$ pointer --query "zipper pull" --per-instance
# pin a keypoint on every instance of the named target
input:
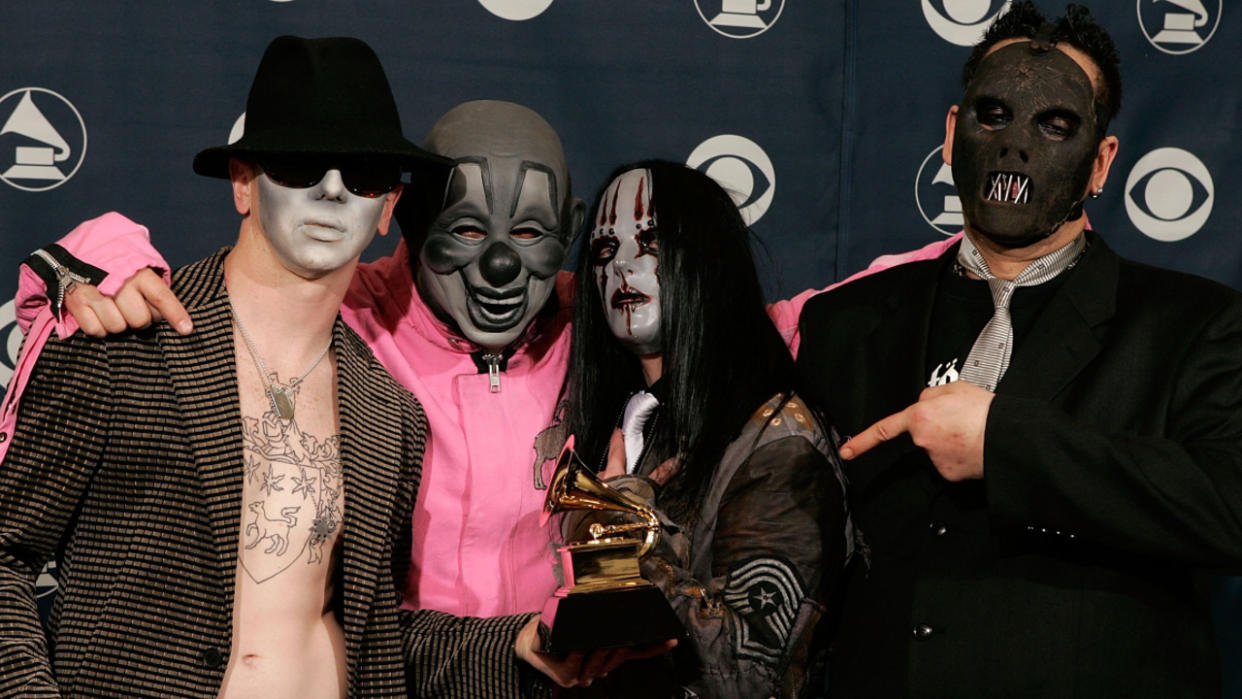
(64, 277)
(493, 371)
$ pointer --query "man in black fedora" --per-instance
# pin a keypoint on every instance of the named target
(231, 508)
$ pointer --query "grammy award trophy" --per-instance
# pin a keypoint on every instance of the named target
(604, 601)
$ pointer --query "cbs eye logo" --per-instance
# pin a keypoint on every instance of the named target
(741, 167)
(962, 22)
(516, 10)
(1169, 194)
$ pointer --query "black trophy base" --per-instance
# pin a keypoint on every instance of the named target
(637, 616)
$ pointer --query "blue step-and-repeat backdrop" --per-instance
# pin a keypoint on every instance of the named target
(824, 116)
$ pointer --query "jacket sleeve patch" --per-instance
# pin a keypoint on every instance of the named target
(765, 593)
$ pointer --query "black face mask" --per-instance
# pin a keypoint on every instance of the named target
(1024, 144)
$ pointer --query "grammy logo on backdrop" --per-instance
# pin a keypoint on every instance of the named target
(740, 19)
(604, 601)
(46, 147)
(1181, 27)
(35, 162)
(742, 13)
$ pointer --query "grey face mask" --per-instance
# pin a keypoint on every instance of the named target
(489, 259)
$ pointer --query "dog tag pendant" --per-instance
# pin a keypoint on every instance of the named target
(283, 402)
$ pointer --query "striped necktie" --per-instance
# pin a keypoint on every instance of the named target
(989, 356)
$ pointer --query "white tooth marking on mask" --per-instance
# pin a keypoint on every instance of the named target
(1009, 188)
(995, 193)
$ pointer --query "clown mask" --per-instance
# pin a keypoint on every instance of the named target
(489, 261)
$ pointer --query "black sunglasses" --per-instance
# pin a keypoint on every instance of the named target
(365, 177)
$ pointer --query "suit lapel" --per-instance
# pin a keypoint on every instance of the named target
(912, 309)
(896, 338)
(204, 379)
(1063, 339)
(370, 465)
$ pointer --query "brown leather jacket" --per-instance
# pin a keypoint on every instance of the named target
(749, 577)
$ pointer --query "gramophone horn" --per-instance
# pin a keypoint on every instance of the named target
(574, 487)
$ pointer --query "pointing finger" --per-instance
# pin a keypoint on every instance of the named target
(882, 431)
(164, 302)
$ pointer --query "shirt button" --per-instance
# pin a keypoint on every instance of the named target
(212, 658)
(922, 632)
(938, 528)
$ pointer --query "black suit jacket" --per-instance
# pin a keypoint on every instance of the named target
(127, 463)
(1113, 474)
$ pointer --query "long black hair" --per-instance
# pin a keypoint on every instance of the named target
(722, 357)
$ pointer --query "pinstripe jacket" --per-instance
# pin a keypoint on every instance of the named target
(126, 464)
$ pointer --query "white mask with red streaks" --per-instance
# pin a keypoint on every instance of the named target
(625, 258)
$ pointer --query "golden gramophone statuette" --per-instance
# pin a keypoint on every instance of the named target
(605, 602)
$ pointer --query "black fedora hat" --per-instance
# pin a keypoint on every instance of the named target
(321, 97)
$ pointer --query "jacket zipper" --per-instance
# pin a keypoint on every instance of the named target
(493, 360)
(63, 276)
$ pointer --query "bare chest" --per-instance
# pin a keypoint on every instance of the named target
(286, 639)
(293, 500)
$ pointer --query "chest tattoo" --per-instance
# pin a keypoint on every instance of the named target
(292, 494)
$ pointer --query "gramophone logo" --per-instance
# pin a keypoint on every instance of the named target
(741, 167)
(1178, 26)
(516, 10)
(740, 19)
(42, 141)
(962, 22)
(10, 342)
(1169, 194)
(936, 195)
(46, 584)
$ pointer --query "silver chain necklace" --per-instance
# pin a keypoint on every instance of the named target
(280, 395)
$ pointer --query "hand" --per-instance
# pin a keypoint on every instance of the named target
(948, 422)
(615, 466)
(666, 470)
(579, 669)
(142, 300)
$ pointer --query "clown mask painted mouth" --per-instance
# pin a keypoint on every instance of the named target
(494, 309)
(1008, 188)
